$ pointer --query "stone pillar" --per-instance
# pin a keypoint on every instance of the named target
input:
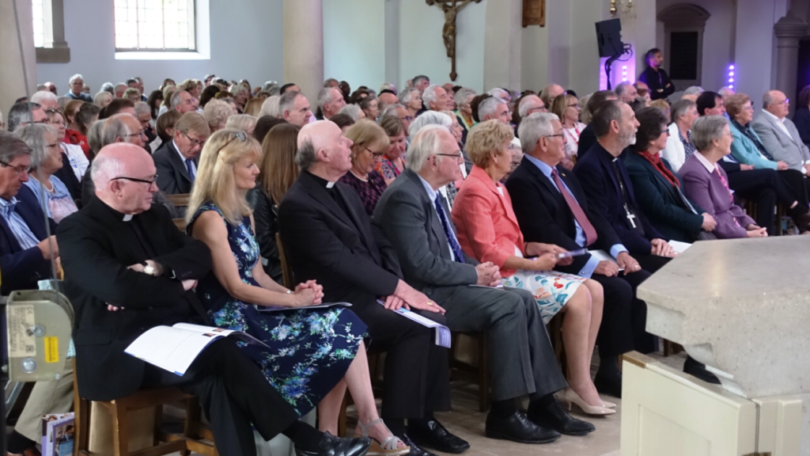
(16, 83)
(788, 30)
(303, 46)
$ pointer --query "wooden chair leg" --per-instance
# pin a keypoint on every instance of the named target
(342, 416)
(120, 430)
(81, 410)
(483, 373)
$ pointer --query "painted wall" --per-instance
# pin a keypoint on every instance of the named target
(354, 47)
(245, 39)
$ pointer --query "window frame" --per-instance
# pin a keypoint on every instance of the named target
(193, 23)
(56, 49)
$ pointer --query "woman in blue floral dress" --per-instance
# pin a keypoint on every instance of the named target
(315, 353)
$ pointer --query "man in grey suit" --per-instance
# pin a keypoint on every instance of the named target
(778, 133)
(416, 221)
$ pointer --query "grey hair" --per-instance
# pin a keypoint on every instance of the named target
(487, 107)
(34, 137)
(43, 95)
(326, 95)
(406, 95)
(119, 85)
(498, 92)
(20, 114)
(726, 91)
(108, 87)
(99, 98)
(176, 97)
(216, 113)
(693, 90)
(767, 99)
(270, 107)
(417, 79)
(351, 110)
(680, 107)
(242, 122)
(526, 105)
(285, 103)
(461, 96)
(236, 89)
(391, 110)
(328, 82)
(306, 156)
(271, 87)
(388, 86)
(622, 87)
(534, 127)
(104, 169)
(429, 118)
(94, 136)
(426, 143)
(706, 129)
(75, 77)
(429, 94)
(114, 128)
(11, 146)
(142, 107)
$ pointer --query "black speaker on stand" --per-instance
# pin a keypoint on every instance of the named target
(609, 39)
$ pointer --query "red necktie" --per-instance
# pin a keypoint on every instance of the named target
(576, 209)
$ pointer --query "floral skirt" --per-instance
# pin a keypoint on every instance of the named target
(310, 350)
(551, 289)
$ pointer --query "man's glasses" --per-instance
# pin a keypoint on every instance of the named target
(137, 133)
(408, 118)
(195, 142)
(457, 156)
(17, 169)
(560, 135)
(134, 179)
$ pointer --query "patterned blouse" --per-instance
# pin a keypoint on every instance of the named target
(688, 145)
(387, 169)
(370, 190)
(57, 201)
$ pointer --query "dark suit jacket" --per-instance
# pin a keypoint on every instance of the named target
(340, 251)
(22, 269)
(587, 138)
(601, 184)
(802, 120)
(544, 215)
(97, 246)
(173, 176)
(660, 201)
(409, 220)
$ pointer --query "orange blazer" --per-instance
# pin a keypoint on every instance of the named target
(486, 226)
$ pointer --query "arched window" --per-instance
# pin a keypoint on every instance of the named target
(684, 25)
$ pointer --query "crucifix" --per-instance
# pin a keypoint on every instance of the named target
(451, 9)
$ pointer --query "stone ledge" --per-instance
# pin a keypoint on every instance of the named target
(53, 55)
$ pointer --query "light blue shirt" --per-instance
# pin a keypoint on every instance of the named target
(579, 238)
(17, 225)
(432, 195)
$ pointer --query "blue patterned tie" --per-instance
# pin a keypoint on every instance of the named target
(8, 208)
(448, 231)
(190, 168)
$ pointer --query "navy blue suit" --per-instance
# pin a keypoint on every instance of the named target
(596, 174)
(21, 269)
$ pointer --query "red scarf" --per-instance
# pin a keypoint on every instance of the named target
(74, 137)
(655, 160)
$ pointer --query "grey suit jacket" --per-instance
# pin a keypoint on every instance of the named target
(409, 220)
(789, 149)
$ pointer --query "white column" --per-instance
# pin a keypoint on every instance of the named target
(788, 31)
(303, 46)
(503, 44)
(15, 84)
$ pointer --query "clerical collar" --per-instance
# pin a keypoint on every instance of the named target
(127, 217)
(118, 215)
(323, 182)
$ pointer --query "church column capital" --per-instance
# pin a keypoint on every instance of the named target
(790, 26)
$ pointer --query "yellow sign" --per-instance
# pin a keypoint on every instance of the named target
(51, 349)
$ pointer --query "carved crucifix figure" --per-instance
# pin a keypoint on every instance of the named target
(451, 9)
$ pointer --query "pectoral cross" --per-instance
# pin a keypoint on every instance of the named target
(451, 9)
(630, 216)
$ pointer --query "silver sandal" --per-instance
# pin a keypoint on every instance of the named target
(389, 447)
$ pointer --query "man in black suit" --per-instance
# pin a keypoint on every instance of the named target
(328, 237)
(587, 138)
(129, 269)
(609, 190)
(417, 223)
(551, 207)
(176, 160)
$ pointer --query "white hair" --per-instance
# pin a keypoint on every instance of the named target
(429, 118)
(104, 169)
(391, 110)
(406, 94)
(726, 91)
(497, 92)
(237, 89)
(693, 90)
(533, 128)
(460, 97)
(351, 110)
(37, 97)
(488, 106)
(426, 143)
(388, 86)
(327, 95)
(142, 107)
(75, 77)
(429, 94)
(527, 104)
(270, 107)
(114, 128)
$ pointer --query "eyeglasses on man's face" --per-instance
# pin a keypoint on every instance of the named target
(17, 169)
(193, 141)
(135, 179)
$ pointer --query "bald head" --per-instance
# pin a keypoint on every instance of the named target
(776, 102)
(113, 171)
(550, 92)
(323, 150)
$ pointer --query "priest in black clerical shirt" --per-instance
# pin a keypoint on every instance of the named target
(327, 236)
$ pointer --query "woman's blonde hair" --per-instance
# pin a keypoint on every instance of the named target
(277, 169)
(216, 113)
(254, 106)
(366, 132)
(215, 174)
(560, 104)
(486, 138)
(242, 122)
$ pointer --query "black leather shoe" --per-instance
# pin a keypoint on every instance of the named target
(433, 435)
(518, 428)
(336, 446)
(554, 417)
(692, 367)
(611, 386)
(415, 450)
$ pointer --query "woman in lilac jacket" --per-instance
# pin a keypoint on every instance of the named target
(706, 184)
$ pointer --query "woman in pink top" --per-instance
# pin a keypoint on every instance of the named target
(488, 231)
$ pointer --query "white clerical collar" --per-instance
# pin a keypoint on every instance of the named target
(127, 217)
(329, 184)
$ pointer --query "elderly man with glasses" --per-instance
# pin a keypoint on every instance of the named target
(177, 160)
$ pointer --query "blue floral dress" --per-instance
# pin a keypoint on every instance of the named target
(311, 350)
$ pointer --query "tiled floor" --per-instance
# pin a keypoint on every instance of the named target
(468, 423)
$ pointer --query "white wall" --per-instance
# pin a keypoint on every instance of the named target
(246, 37)
(754, 46)
(354, 41)
(422, 51)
